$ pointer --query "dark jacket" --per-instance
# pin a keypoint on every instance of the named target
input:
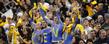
(102, 41)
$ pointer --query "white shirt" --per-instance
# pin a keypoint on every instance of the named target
(88, 29)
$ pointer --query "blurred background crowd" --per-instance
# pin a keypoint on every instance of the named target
(54, 22)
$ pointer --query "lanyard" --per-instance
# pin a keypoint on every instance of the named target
(65, 35)
(55, 31)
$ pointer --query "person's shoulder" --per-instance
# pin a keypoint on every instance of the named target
(105, 26)
(48, 29)
(107, 38)
(97, 41)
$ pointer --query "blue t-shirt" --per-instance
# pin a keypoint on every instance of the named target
(47, 36)
(37, 37)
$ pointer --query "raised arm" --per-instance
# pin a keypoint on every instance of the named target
(42, 13)
(58, 16)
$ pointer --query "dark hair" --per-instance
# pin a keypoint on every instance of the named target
(89, 40)
(84, 20)
(82, 40)
(4, 18)
(69, 18)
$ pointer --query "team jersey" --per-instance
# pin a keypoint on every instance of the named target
(66, 35)
(57, 32)
(37, 37)
(67, 38)
(56, 28)
(47, 36)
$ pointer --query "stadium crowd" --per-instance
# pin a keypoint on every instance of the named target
(54, 22)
